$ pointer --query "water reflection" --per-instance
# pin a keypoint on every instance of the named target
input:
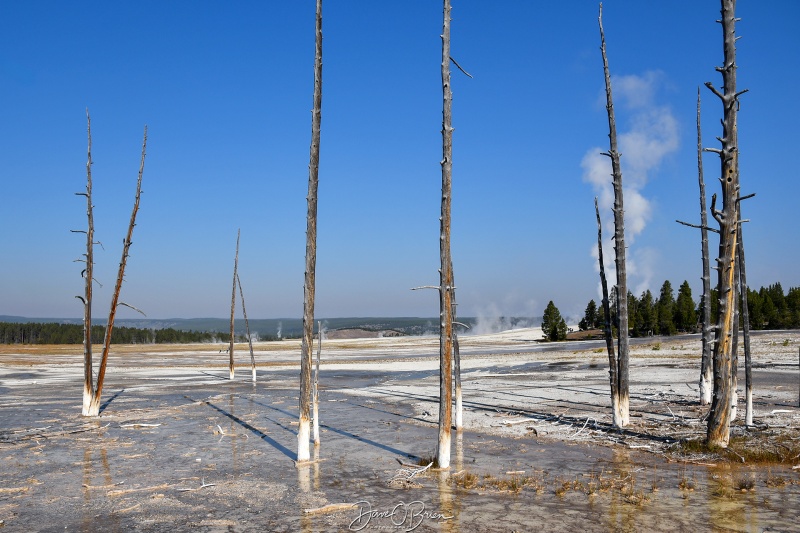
(449, 503)
(730, 504)
(90, 487)
(315, 466)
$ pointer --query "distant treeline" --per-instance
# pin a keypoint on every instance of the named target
(769, 308)
(55, 333)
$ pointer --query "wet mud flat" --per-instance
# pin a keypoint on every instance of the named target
(178, 447)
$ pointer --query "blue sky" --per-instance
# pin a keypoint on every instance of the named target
(225, 89)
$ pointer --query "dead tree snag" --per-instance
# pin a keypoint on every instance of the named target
(233, 307)
(303, 431)
(92, 391)
(705, 360)
(315, 386)
(607, 330)
(705, 302)
(247, 328)
(719, 419)
(446, 269)
(621, 415)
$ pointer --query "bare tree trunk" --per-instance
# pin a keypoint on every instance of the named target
(612, 356)
(446, 271)
(88, 276)
(233, 306)
(459, 415)
(315, 390)
(748, 368)
(620, 417)
(247, 327)
(705, 361)
(94, 407)
(303, 432)
(718, 433)
(735, 341)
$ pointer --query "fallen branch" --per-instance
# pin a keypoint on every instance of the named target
(405, 475)
(331, 508)
(584, 427)
(131, 508)
(521, 421)
(203, 485)
(139, 425)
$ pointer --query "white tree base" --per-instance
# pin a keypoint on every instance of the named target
(303, 439)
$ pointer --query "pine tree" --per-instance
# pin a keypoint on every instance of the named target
(666, 310)
(554, 328)
(685, 315)
(646, 325)
(589, 320)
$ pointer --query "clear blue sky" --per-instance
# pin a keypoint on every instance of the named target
(226, 88)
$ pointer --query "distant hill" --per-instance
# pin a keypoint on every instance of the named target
(292, 327)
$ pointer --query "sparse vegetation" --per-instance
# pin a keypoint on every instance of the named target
(754, 449)
(688, 484)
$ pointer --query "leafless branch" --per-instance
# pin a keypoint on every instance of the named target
(459, 67)
(697, 226)
(129, 306)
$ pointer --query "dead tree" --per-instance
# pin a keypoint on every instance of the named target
(233, 306)
(705, 360)
(247, 327)
(303, 431)
(446, 270)
(459, 414)
(718, 433)
(92, 391)
(748, 366)
(705, 318)
(456, 354)
(621, 414)
(607, 331)
(735, 340)
(315, 385)
(88, 276)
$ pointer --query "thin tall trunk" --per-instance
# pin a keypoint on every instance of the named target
(446, 271)
(748, 368)
(303, 432)
(459, 414)
(315, 391)
(620, 417)
(705, 361)
(735, 341)
(88, 276)
(607, 331)
(247, 328)
(94, 408)
(233, 305)
(718, 433)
